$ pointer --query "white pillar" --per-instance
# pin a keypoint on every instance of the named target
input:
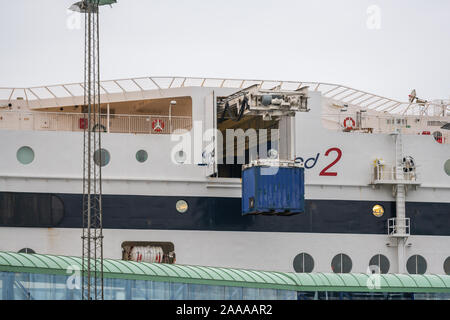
(107, 118)
(400, 200)
(401, 242)
(285, 138)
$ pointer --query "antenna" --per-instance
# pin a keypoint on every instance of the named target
(93, 156)
(412, 96)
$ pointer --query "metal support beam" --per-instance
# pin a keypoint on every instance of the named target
(400, 200)
(92, 237)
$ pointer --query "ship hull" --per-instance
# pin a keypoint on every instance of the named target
(270, 251)
(219, 214)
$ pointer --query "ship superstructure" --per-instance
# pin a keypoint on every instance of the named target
(377, 174)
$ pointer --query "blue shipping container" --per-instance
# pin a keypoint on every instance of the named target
(273, 190)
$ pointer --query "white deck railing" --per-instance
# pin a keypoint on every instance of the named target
(387, 123)
(339, 93)
(388, 173)
(54, 121)
(399, 227)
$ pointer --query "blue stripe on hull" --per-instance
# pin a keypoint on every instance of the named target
(217, 214)
(224, 214)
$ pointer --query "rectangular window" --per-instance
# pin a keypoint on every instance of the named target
(436, 123)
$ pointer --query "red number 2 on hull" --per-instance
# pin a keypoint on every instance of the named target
(325, 172)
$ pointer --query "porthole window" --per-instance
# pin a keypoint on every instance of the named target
(447, 167)
(182, 206)
(447, 266)
(416, 265)
(27, 250)
(341, 263)
(303, 263)
(378, 211)
(141, 156)
(25, 155)
(379, 264)
(102, 157)
(180, 156)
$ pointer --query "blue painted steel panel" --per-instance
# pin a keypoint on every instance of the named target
(222, 214)
(273, 191)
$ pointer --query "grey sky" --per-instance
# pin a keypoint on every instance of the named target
(326, 41)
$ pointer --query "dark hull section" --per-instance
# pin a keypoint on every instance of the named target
(217, 214)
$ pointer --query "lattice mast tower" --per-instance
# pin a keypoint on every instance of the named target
(93, 157)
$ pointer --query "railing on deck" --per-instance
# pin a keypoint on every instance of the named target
(374, 123)
(120, 123)
(40, 96)
(388, 173)
(399, 227)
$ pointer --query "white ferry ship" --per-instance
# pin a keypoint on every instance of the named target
(377, 176)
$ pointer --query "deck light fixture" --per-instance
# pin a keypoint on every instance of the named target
(89, 5)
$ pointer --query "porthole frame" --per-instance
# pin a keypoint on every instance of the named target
(380, 257)
(342, 256)
(417, 257)
(107, 158)
(378, 211)
(140, 153)
(447, 167)
(182, 206)
(303, 256)
(27, 251)
(446, 266)
(20, 154)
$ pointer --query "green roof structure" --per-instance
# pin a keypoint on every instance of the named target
(118, 269)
